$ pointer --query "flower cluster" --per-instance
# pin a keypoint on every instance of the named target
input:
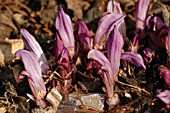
(110, 37)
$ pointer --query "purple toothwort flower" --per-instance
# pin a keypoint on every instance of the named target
(65, 69)
(105, 26)
(141, 11)
(133, 58)
(58, 47)
(33, 73)
(114, 47)
(63, 61)
(117, 9)
(33, 46)
(109, 68)
(165, 73)
(165, 97)
(65, 31)
(148, 55)
(103, 66)
(83, 36)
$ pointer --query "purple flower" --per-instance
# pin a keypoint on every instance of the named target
(117, 9)
(121, 26)
(33, 46)
(102, 64)
(110, 6)
(83, 36)
(64, 69)
(63, 61)
(141, 11)
(65, 31)
(58, 47)
(109, 68)
(160, 31)
(114, 47)
(165, 97)
(154, 22)
(105, 26)
(33, 73)
(165, 73)
(148, 55)
(133, 58)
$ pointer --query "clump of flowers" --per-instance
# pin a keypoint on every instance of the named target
(104, 55)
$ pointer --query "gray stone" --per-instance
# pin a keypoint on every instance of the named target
(91, 100)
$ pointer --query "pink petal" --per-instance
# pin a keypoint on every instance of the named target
(165, 73)
(164, 96)
(141, 12)
(83, 36)
(105, 70)
(65, 30)
(114, 47)
(58, 47)
(121, 26)
(32, 45)
(33, 73)
(110, 6)
(106, 24)
(133, 58)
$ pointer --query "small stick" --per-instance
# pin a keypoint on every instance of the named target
(78, 95)
(135, 87)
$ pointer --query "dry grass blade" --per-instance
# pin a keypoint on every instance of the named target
(78, 96)
(135, 87)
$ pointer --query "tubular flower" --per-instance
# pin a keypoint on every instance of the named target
(133, 58)
(65, 31)
(58, 47)
(114, 47)
(63, 61)
(34, 75)
(105, 26)
(165, 73)
(109, 68)
(141, 15)
(121, 26)
(64, 68)
(148, 55)
(83, 36)
(102, 64)
(165, 97)
(33, 46)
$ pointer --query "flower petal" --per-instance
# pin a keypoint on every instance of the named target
(114, 47)
(33, 73)
(141, 15)
(65, 30)
(148, 55)
(133, 58)
(164, 96)
(106, 23)
(58, 47)
(165, 73)
(110, 6)
(32, 45)
(104, 70)
(83, 36)
(121, 26)
(65, 68)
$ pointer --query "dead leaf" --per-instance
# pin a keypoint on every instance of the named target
(9, 47)
(3, 109)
